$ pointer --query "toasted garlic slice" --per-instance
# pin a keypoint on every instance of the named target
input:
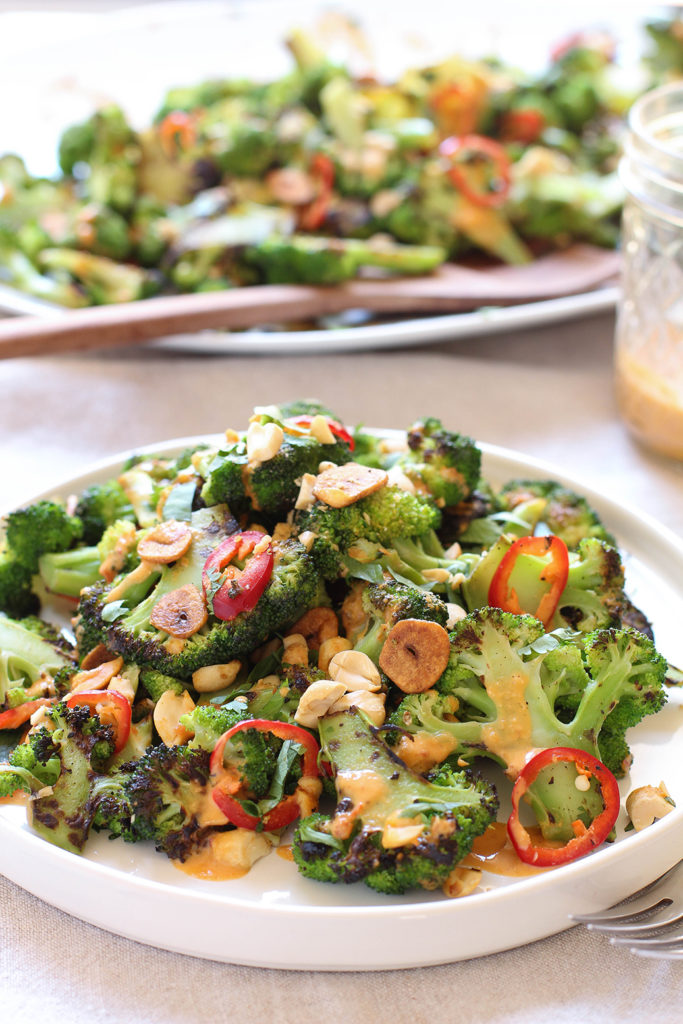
(264, 440)
(648, 804)
(316, 701)
(415, 654)
(181, 612)
(215, 677)
(355, 670)
(166, 543)
(167, 713)
(340, 486)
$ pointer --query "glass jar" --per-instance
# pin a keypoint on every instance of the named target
(649, 336)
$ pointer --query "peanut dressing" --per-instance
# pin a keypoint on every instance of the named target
(364, 789)
(509, 737)
(494, 852)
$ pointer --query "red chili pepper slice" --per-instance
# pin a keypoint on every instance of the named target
(242, 588)
(585, 839)
(458, 148)
(523, 125)
(15, 717)
(337, 429)
(502, 595)
(321, 168)
(111, 707)
(224, 789)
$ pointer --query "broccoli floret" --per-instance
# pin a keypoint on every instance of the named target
(69, 572)
(395, 830)
(31, 765)
(30, 651)
(509, 690)
(40, 528)
(380, 518)
(566, 514)
(156, 683)
(83, 745)
(124, 625)
(99, 506)
(447, 464)
(304, 407)
(270, 487)
(164, 790)
(17, 597)
(387, 603)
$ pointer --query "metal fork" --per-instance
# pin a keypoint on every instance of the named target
(649, 922)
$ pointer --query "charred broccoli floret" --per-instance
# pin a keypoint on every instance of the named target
(392, 828)
(387, 603)
(565, 513)
(99, 506)
(447, 464)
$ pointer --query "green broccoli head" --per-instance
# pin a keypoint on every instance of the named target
(30, 650)
(392, 828)
(447, 464)
(566, 514)
(99, 506)
(17, 597)
(380, 518)
(40, 528)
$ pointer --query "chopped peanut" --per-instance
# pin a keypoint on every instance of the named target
(180, 613)
(355, 670)
(167, 713)
(329, 648)
(166, 543)
(648, 804)
(215, 677)
(264, 441)
(296, 650)
(461, 882)
(372, 704)
(96, 678)
(415, 654)
(316, 701)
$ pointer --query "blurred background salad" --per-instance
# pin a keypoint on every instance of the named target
(188, 147)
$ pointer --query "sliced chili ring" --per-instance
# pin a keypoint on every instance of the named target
(457, 148)
(287, 810)
(240, 592)
(335, 427)
(555, 573)
(585, 839)
(111, 707)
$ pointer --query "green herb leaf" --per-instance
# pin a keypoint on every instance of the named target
(178, 504)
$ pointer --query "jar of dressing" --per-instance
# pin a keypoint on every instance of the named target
(649, 335)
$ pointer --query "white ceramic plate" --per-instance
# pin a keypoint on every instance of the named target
(274, 918)
(179, 42)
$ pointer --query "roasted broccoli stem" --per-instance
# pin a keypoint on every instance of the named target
(510, 689)
(392, 828)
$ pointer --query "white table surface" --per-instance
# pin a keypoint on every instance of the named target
(546, 392)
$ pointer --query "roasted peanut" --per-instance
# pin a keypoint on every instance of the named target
(415, 654)
(167, 712)
(296, 650)
(166, 543)
(263, 442)
(461, 882)
(647, 804)
(329, 648)
(96, 678)
(180, 613)
(316, 701)
(355, 670)
(340, 486)
(215, 677)
(372, 704)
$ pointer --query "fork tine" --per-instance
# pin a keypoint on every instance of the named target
(657, 954)
(630, 927)
(669, 942)
(644, 931)
(636, 907)
(644, 909)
